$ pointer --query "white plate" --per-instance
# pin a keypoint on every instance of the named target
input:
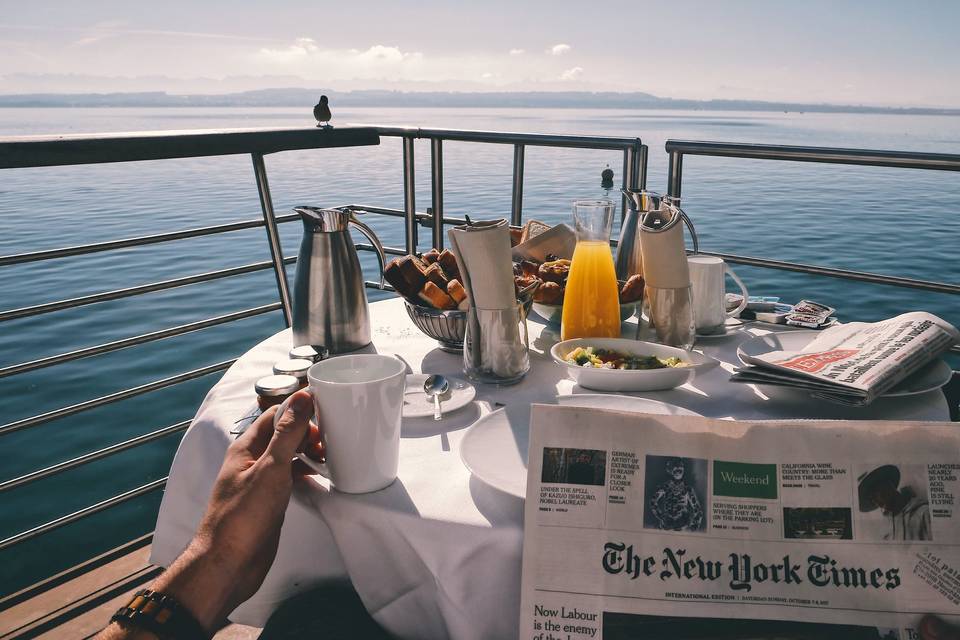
(635, 379)
(930, 377)
(494, 449)
(416, 404)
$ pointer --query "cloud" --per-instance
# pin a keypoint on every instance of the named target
(300, 48)
(517, 52)
(304, 56)
(559, 49)
(573, 73)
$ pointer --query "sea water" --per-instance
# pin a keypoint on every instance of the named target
(896, 221)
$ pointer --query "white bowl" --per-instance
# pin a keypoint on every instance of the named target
(632, 379)
(553, 313)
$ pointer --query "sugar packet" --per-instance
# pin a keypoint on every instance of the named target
(810, 314)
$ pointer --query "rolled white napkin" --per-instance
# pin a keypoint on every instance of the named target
(483, 255)
(664, 256)
(493, 346)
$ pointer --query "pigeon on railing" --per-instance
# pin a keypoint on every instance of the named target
(321, 111)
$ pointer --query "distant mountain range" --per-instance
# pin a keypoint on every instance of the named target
(297, 97)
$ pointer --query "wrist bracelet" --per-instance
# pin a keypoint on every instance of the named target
(162, 615)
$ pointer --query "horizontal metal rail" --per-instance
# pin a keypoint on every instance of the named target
(82, 513)
(138, 241)
(116, 345)
(832, 155)
(70, 410)
(506, 137)
(845, 274)
(868, 157)
(118, 294)
(86, 458)
(45, 151)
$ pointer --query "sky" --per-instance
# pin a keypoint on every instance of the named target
(872, 52)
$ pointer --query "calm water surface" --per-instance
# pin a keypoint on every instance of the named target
(894, 221)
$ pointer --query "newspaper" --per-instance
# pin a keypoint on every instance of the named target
(857, 362)
(643, 526)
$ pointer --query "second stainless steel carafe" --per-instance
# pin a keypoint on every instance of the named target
(329, 297)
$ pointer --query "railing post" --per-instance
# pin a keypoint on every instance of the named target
(675, 174)
(516, 202)
(644, 153)
(273, 235)
(409, 195)
(633, 156)
(436, 182)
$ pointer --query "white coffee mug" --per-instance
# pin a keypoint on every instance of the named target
(709, 291)
(358, 401)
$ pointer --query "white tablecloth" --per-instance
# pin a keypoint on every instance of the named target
(437, 554)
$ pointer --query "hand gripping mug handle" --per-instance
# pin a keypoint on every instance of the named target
(743, 290)
(319, 467)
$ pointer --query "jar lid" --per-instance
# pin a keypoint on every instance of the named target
(276, 386)
(297, 368)
(309, 352)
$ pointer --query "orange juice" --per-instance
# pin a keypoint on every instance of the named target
(591, 305)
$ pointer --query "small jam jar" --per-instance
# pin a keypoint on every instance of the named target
(309, 352)
(273, 390)
(296, 368)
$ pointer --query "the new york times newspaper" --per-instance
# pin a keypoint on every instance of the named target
(854, 363)
(671, 526)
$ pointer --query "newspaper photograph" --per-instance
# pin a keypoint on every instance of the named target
(855, 363)
(641, 525)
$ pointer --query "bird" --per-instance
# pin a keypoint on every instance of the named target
(322, 113)
(606, 178)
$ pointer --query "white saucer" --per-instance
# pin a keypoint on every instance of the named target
(494, 449)
(730, 327)
(930, 377)
(416, 404)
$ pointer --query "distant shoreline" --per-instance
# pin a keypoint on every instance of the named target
(486, 100)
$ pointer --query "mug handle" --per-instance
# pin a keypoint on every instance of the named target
(743, 290)
(319, 467)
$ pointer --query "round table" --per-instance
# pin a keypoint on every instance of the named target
(437, 554)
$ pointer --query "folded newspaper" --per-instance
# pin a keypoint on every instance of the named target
(644, 526)
(857, 362)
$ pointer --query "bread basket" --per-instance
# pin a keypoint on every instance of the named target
(449, 327)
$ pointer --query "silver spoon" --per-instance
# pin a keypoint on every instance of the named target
(436, 386)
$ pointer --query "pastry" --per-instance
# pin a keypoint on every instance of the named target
(549, 293)
(430, 256)
(436, 297)
(515, 235)
(436, 275)
(632, 289)
(528, 268)
(448, 261)
(455, 290)
(555, 271)
(406, 276)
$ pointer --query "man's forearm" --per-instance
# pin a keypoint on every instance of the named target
(197, 581)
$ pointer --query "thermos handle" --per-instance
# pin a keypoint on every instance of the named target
(374, 240)
(693, 232)
(673, 203)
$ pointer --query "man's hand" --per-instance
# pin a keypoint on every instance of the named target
(237, 540)
(933, 628)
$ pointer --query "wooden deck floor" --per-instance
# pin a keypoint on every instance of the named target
(78, 606)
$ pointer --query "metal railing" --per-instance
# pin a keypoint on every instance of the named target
(71, 150)
(677, 149)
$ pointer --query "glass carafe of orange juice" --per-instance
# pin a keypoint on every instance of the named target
(591, 304)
